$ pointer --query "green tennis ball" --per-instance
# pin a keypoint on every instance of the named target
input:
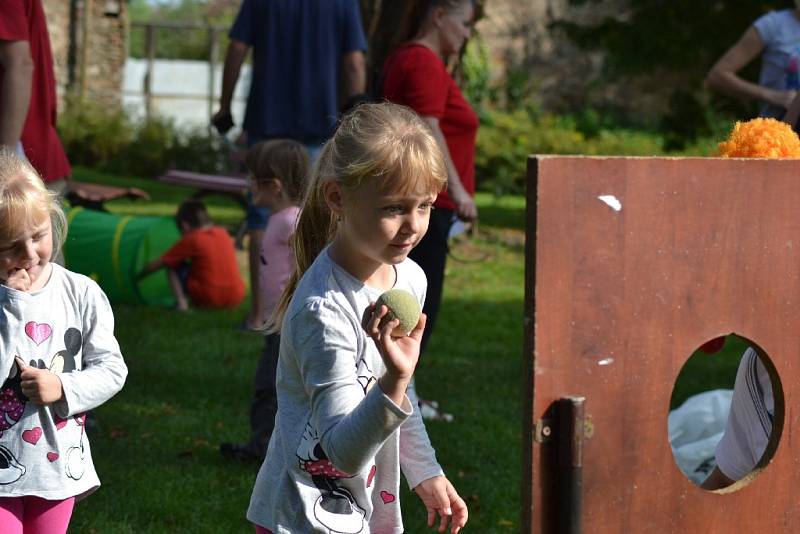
(402, 305)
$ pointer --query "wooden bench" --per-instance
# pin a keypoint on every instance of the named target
(233, 185)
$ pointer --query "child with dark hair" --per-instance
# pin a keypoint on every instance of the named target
(278, 173)
(202, 265)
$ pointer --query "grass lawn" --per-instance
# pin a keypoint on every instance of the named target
(190, 382)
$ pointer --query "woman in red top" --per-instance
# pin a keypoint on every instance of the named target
(416, 76)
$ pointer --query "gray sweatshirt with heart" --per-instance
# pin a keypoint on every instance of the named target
(66, 327)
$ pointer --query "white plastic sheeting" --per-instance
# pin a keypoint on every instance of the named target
(695, 428)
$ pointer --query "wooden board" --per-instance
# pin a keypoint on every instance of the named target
(618, 299)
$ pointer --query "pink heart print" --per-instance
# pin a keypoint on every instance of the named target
(52, 456)
(38, 332)
(387, 497)
(32, 435)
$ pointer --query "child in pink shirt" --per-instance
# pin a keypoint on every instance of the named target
(277, 259)
(278, 170)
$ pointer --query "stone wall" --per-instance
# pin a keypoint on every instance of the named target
(519, 36)
(57, 13)
(93, 69)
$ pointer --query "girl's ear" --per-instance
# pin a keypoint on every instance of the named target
(334, 198)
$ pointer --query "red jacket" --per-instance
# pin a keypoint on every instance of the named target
(416, 77)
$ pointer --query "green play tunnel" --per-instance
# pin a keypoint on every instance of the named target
(111, 249)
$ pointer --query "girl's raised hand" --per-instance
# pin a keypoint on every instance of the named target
(400, 354)
(440, 497)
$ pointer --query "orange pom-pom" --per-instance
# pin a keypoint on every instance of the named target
(761, 138)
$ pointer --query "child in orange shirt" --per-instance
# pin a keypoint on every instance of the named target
(202, 263)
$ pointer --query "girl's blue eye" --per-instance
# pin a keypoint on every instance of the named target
(393, 209)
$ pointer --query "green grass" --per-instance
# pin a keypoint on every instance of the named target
(190, 383)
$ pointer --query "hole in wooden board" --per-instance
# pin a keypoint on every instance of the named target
(726, 413)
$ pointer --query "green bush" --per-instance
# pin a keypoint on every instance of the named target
(148, 155)
(196, 150)
(107, 139)
(506, 139)
(476, 69)
(93, 135)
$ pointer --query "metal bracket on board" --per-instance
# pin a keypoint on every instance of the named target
(543, 431)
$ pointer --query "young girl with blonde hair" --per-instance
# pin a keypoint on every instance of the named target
(58, 359)
(347, 425)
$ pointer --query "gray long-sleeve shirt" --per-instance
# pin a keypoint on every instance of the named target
(334, 461)
(68, 328)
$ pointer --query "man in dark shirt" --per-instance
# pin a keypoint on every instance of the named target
(301, 50)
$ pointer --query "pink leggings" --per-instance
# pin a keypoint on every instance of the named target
(262, 530)
(34, 515)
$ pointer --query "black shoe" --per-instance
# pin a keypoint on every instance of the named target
(239, 452)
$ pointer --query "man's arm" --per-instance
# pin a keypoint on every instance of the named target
(354, 74)
(465, 204)
(15, 90)
(234, 58)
